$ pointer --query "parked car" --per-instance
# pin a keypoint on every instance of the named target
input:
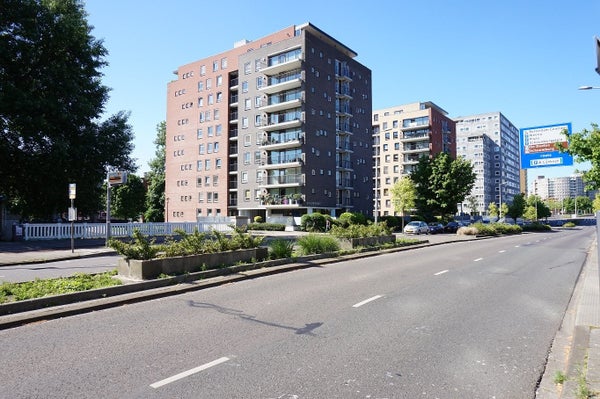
(416, 227)
(435, 228)
(452, 227)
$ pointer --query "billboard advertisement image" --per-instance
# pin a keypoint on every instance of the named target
(538, 146)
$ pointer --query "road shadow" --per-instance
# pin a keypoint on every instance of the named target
(307, 329)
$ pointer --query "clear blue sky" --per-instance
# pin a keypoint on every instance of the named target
(525, 59)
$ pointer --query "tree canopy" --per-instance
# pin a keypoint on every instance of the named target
(517, 207)
(585, 146)
(441, 183)
(51, 99)
(403, 196)
(155, 197)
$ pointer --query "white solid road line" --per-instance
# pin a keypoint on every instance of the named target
(189, 372)
(366, 301)
(442, 272)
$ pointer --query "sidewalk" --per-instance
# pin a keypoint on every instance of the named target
(575, 352)
(22, 252)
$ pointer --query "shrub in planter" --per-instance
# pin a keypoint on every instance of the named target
(313, 222)
(258, 219)
(281, 248)
(140, 247)
(318, 244)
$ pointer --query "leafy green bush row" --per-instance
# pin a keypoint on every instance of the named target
(490, 229)
(142, 248)
(361, 231)
(537, 227)
(266, 226)
(65, 285)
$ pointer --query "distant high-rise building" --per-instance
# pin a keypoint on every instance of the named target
(276, 127)
(496, 159)
(401, 135)
(558, 188)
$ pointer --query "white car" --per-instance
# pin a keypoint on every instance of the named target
(416, 227)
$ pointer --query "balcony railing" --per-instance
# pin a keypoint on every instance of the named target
(284, 159)
(287, 179)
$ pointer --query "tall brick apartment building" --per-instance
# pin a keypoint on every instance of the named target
(276, 127)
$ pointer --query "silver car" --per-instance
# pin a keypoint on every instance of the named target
(416, 227)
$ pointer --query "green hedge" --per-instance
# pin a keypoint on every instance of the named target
(267, 226)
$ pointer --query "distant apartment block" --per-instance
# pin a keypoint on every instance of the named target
(276, 127)
(558, 188)
(402, 135)
(491, 142)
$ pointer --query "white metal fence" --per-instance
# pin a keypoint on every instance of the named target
(53, 231)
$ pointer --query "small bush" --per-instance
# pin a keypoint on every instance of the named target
(281, 248)
(317, 244)
(267, 226)
(140, 247)
(258, 219)
(536, 227)
(361, 231)
(313, 222)
(569, 224)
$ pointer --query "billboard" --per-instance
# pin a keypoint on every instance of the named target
(538, 146)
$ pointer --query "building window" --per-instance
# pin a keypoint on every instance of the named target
(208, 83)
(215, 66)
(219, 80)
(247, 103)
(218, 130)
(223, 63)
(201, 149)
(244, 177)
(246, 158)
(244, 86)
(218, 163)
(246, 195)
(203, 70)
(245, 122)
(247, 140)
(199, 133)
(258, 102)
(247, 68)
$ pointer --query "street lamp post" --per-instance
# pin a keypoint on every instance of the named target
(502, 183)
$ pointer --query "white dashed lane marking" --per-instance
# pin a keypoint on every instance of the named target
(477, 260)
(366, 301)
(442, 272)
(188, 373)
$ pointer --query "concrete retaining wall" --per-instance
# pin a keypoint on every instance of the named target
(149, 269)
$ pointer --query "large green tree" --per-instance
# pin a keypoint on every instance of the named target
(155, 196)
(51, 99)
(585, 146)
(441, 183)
(127, 200)
(403, 196)
(517, 206)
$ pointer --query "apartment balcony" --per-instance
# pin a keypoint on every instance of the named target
(416, 149)
(345, 203)
(233, 185)
(283, 163)
(280, 145)
(279, 64)
(284, 121)
(233, 117)
(343, 147)
(233, 150)
(344, 165)
(282, 86)
(413, 138)
(233, 100)
(289, 180)
(277, 106)
(344, 184)
(343, 73)
(232, 167)
(233, 84)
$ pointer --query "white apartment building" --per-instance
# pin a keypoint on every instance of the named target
(491, 142)
(558, 188)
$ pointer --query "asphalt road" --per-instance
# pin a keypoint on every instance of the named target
(467, 320)
(55, 269)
